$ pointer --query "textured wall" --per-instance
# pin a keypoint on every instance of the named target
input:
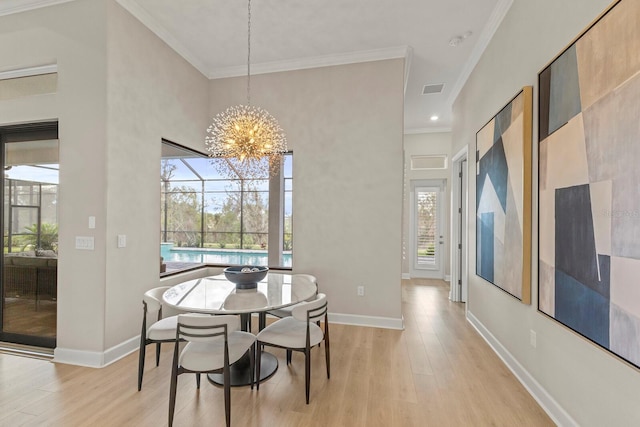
(347, 147)
(590, 386)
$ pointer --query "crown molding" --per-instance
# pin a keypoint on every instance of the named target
(9, 7)
(266, 67)
(148, 21)
(30, 71)
(407, 66)
(498, 14)
(405, 52)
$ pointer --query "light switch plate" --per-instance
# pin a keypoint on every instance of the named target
(85, 243)
(122, 240)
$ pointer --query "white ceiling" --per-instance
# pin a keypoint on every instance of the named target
(294, 34)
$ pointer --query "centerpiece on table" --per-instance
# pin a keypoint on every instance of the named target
(245, 277)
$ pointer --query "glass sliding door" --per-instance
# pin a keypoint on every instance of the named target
(30, 234)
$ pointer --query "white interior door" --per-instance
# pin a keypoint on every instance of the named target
(427, 243)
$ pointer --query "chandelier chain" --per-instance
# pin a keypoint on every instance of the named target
(249, 53)
(247, 141)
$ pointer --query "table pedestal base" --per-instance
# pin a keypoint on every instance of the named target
(240, 372)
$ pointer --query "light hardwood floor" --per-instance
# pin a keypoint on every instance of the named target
(437, 372)
(21, 316)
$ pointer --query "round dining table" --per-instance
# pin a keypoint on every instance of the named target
(217, 295)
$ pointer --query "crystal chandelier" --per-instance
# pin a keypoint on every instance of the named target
(248, 140)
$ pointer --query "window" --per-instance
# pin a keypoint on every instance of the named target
(287, 173)
(209, 218)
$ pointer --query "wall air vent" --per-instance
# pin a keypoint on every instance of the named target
(428, 162)
(434, 88)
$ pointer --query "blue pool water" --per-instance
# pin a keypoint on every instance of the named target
(219, 256)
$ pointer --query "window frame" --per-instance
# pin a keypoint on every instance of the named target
(262, 187)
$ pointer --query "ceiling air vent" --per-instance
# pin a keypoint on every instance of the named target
(434, 88)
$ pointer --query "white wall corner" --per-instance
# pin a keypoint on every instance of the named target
(152, 24)
(559, 416)
(406, 276)
(96, 359)
(447, 278)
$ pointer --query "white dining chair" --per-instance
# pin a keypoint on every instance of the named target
(213, 343)
(158, 326)
(286, 311)
(299, 332)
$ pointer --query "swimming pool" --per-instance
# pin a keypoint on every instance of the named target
(219, 256)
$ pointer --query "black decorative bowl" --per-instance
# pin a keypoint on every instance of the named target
(245, 277)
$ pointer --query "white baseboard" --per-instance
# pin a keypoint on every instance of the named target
(544, 399)
(96, 359)
(371, 321)
(407, 276)
(121, 350)
(92, 359)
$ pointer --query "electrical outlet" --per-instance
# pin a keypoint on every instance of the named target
(360, 291)
(532, 338)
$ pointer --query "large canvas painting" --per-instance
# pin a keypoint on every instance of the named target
(589, 184)
(503, 198)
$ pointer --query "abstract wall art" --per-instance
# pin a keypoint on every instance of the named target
(589, 184)
(503, 198)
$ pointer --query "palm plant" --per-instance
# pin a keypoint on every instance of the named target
(48, 236)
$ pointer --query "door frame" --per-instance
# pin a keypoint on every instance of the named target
(438, 273)
(15, 134)
(459, 226)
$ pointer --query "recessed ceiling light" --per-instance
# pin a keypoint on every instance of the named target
(434, 118)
